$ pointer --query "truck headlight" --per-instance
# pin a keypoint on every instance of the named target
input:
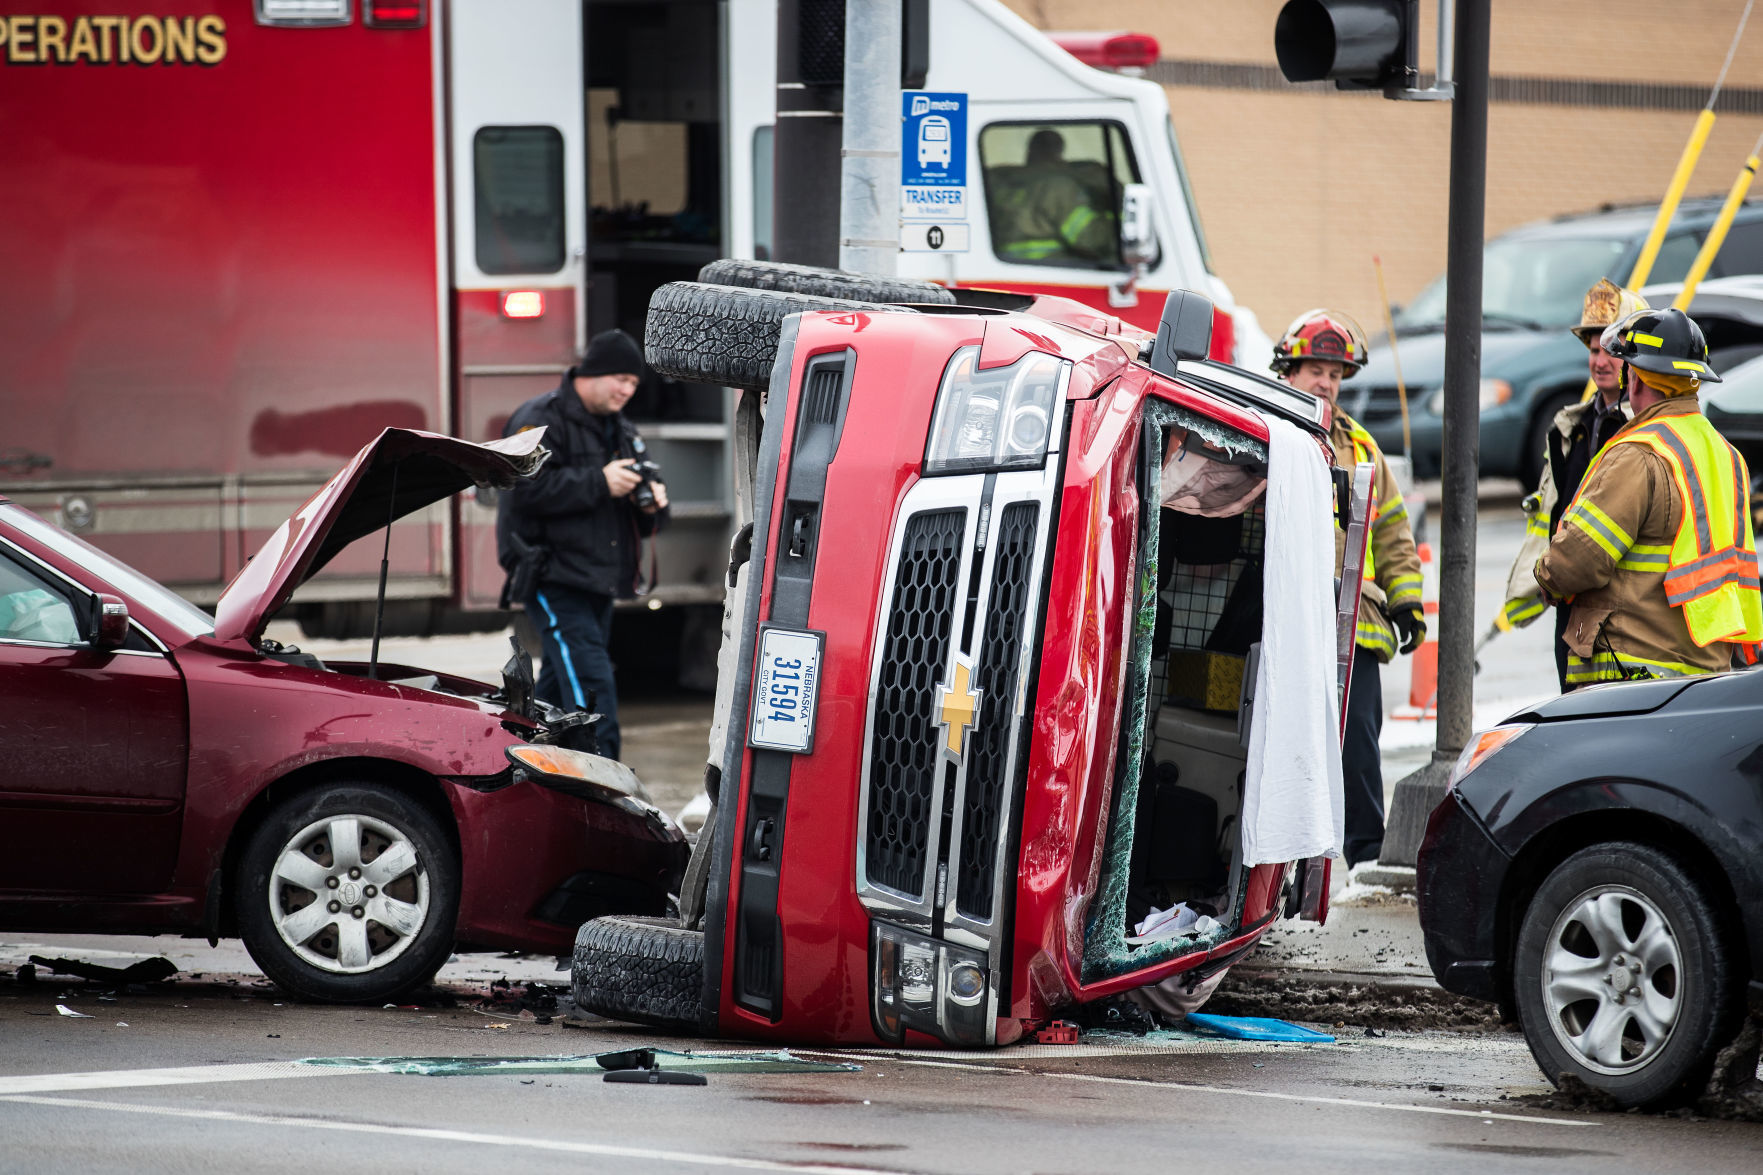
(928, 986)
(1002, 418)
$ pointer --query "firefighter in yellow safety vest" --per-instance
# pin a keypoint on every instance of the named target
(1655, 554)
(1045, 215)
(1318, 350)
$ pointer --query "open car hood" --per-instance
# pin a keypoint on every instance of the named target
(424, 466)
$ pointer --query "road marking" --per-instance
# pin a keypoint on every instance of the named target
(184, 1075)
(693, 1158)
(1190, 1087)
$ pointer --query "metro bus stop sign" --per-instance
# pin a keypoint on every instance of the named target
(933, 172)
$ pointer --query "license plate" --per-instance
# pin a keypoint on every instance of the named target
(785, 686)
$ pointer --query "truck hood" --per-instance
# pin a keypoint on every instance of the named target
(398, 473)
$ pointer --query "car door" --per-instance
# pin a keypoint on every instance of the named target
(95, 745)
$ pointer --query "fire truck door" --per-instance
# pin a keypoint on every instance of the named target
(518, 228)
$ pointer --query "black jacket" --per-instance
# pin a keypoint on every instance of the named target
(592, 539)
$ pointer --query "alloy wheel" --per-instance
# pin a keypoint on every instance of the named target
(348, 893)
(1612, 979)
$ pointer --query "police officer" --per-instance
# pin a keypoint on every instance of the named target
(1047, 216)
(568, 536)
(1576, 434)
(1318, 350)
(1655, 553)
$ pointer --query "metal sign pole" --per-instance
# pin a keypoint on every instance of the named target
(1416, 795)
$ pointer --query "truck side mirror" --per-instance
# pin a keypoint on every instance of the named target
(1185, 331)
(1138, 228)
(110, 623)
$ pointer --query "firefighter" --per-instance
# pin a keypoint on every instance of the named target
(1577, 433)
(1656, 552)
(1318, 350)
(1047, 216)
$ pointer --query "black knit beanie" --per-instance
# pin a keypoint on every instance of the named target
(611, 352)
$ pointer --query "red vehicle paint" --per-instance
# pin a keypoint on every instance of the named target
(144, 769)
(950, 858)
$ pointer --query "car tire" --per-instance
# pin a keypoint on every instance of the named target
(644, 970)
(822, 283)
(1629, 913)
(1536, 437)
(292, 863)
(725, 334)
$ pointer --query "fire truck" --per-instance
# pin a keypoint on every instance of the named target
(240, 237)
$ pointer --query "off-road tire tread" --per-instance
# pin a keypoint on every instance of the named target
(725, 334)
(644, 970)
(820, 282)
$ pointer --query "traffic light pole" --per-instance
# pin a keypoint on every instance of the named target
(1417, 795)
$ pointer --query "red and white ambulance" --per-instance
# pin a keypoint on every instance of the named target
(239, 237)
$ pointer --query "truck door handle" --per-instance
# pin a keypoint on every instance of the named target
(759, 846)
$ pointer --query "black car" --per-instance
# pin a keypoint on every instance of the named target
(1597, 869)
(1534, 282)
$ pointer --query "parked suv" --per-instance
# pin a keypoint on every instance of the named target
(984, 700)
(1534, 285)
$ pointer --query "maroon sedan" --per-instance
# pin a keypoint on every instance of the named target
(169, 772)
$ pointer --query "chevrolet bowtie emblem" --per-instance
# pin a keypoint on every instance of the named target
(958, 706)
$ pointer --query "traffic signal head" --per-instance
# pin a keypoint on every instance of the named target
(1371, 44)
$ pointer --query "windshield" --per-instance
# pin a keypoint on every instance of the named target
(190, 620)
(1528, 282)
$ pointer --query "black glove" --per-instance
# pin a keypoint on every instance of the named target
(1411, 623)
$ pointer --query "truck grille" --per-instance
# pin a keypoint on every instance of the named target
(903, 757)
(1000, 663)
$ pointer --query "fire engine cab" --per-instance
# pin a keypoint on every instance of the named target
(243, 236)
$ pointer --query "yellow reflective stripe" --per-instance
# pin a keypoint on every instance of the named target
(1598, 526)
(1034, 249)
(1536, 526)
(1403, 588)
(1646, 557)
(1375, 637)
(1080, 218)
(1686, 365)
(1395, 510)
(1638, 337)
(1605, 666)
(1523, 610)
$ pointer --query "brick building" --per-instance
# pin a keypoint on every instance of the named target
(1298, 186)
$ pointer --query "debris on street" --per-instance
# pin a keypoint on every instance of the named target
(156, 970)
(625, 1060)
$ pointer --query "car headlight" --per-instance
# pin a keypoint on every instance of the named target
(998, 419)
(928, 986)
(1491, 394)
(1482, 747)
(588, 777)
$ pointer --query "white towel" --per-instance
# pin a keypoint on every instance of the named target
(1292, 796)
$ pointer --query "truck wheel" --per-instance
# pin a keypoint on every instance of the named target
(348, 893)
(725, 334)
(822, 283)
(1624, 976)
(645, 970)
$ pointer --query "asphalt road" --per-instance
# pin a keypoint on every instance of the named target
(201, 1080)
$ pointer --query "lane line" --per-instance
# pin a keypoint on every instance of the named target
(181, 1075)
(606, 1150)
(1191, 1087)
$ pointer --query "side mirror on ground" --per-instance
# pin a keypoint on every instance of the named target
(1138, 228)
(110, 622)
(1185, 331)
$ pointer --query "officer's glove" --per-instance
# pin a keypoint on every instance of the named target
(1411, 623)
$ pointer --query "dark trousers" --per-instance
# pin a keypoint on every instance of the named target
(1562, 612)
(1362, 761)
(576, 628)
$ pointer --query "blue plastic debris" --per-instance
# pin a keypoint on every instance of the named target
(1255, 1028)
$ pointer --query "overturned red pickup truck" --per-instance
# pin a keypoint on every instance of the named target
(989, 681)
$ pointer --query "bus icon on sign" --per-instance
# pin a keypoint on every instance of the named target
(933, 141)
(920, 105)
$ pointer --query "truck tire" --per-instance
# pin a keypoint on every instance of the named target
(644, 970)
(822, 283)
(725, 334)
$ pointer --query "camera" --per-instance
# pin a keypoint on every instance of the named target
(643, 497)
